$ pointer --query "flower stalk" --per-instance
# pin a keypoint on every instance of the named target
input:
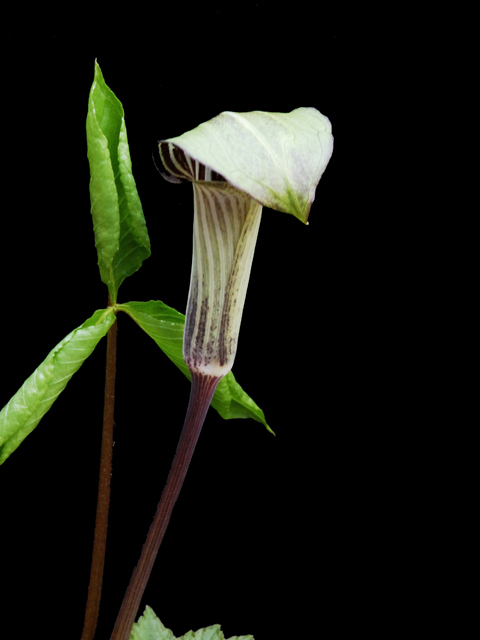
(201, 393)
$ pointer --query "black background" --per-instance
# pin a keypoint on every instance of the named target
(290, 536)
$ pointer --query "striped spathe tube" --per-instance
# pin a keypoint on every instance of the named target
(225, 230)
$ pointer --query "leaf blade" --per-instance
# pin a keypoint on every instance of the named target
(149, 627)
(101, 125)
(165, 326)
(27, 407)
(121, 235)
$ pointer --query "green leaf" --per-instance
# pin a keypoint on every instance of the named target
(27, 407)
(166, 325)
(121, 235)
(276, 158)
(149, 627)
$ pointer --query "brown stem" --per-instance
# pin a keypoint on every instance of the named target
(103, 502)
(201, 393)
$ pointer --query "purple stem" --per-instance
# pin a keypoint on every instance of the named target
(201, 393)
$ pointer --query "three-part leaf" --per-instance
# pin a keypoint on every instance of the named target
(27, 407)
(149, 627)
(166, 326)
(121, 235)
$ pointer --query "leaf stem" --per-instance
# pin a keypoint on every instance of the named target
(201, 393)
(103, 502)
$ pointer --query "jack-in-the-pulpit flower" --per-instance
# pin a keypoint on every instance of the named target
(237, 163)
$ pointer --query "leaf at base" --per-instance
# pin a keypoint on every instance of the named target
(27, 407)
(149, 627)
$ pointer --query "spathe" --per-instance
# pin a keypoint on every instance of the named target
(237, 163)
(277, 158)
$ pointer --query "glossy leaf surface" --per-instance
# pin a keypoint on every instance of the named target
(121, 235)
(149, 627)
(27, 407)
(276, 158)
(166, 325)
